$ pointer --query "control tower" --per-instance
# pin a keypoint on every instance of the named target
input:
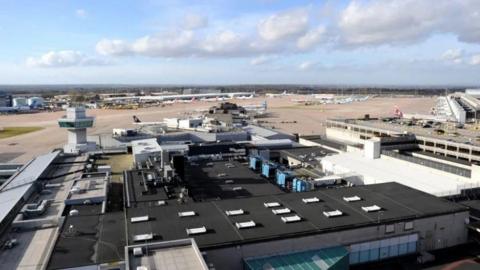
(76, 123)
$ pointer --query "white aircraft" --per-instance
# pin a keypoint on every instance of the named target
(166, 102)
(214, 99)
(301, 101)
(245, 97)
(186, 100)
(274, 95)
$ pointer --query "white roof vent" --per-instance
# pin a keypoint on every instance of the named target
(138, 252)
(281, 211)
(352, 199)
(244, 225)
(186, 214)
(373, 208)
(291, 219)
(143, 237)
(335, 213)
(199, 230)
(271, 204)
(139, 219)
(161, 203)
(235, 212)
(311, 200)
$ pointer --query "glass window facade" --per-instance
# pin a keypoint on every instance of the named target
(383, 249)
(76, 124)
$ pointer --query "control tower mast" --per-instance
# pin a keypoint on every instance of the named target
(76, 123)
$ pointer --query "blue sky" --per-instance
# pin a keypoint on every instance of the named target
(396, 42)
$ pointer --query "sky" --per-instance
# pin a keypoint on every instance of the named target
(351, 42)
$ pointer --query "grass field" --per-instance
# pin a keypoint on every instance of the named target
(8, 132)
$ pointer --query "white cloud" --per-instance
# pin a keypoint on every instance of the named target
(475, 60)
(226, 43)
(194, 21)
(406, 21)
(311, 38)
(360, 23)
(277, 33)
(162, 45)
(169, 44)
(453, 55)
(65, 58)
(113, 47)
(81, 13)
(261, 60)
(284, 25)
(307, 65)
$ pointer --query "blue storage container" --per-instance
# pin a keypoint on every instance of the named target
(266, 170)
(303, 186)
(253, 163)
(280, 178)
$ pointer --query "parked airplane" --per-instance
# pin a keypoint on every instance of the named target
(214, 99)
(274, 95)
(167, 102)
(244, 97)
(186, 100)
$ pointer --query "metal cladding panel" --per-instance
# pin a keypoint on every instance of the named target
(382, 249)
(19, 185)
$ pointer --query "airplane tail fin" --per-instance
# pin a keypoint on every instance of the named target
(397, 112)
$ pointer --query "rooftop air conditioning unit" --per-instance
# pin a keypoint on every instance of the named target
(138, 252)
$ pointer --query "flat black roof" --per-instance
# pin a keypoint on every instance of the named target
(473, 204)
(135, 190)
(398, 202)
(213, 148)
(89, 238)
(213, 180)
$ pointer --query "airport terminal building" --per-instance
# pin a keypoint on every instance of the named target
(239, 220)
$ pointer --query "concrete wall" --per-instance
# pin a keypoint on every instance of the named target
(142, 157)
(372, 148)
(475, 172)
(434, 233)
(307, 142)
(343, 136)
(456, 164)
